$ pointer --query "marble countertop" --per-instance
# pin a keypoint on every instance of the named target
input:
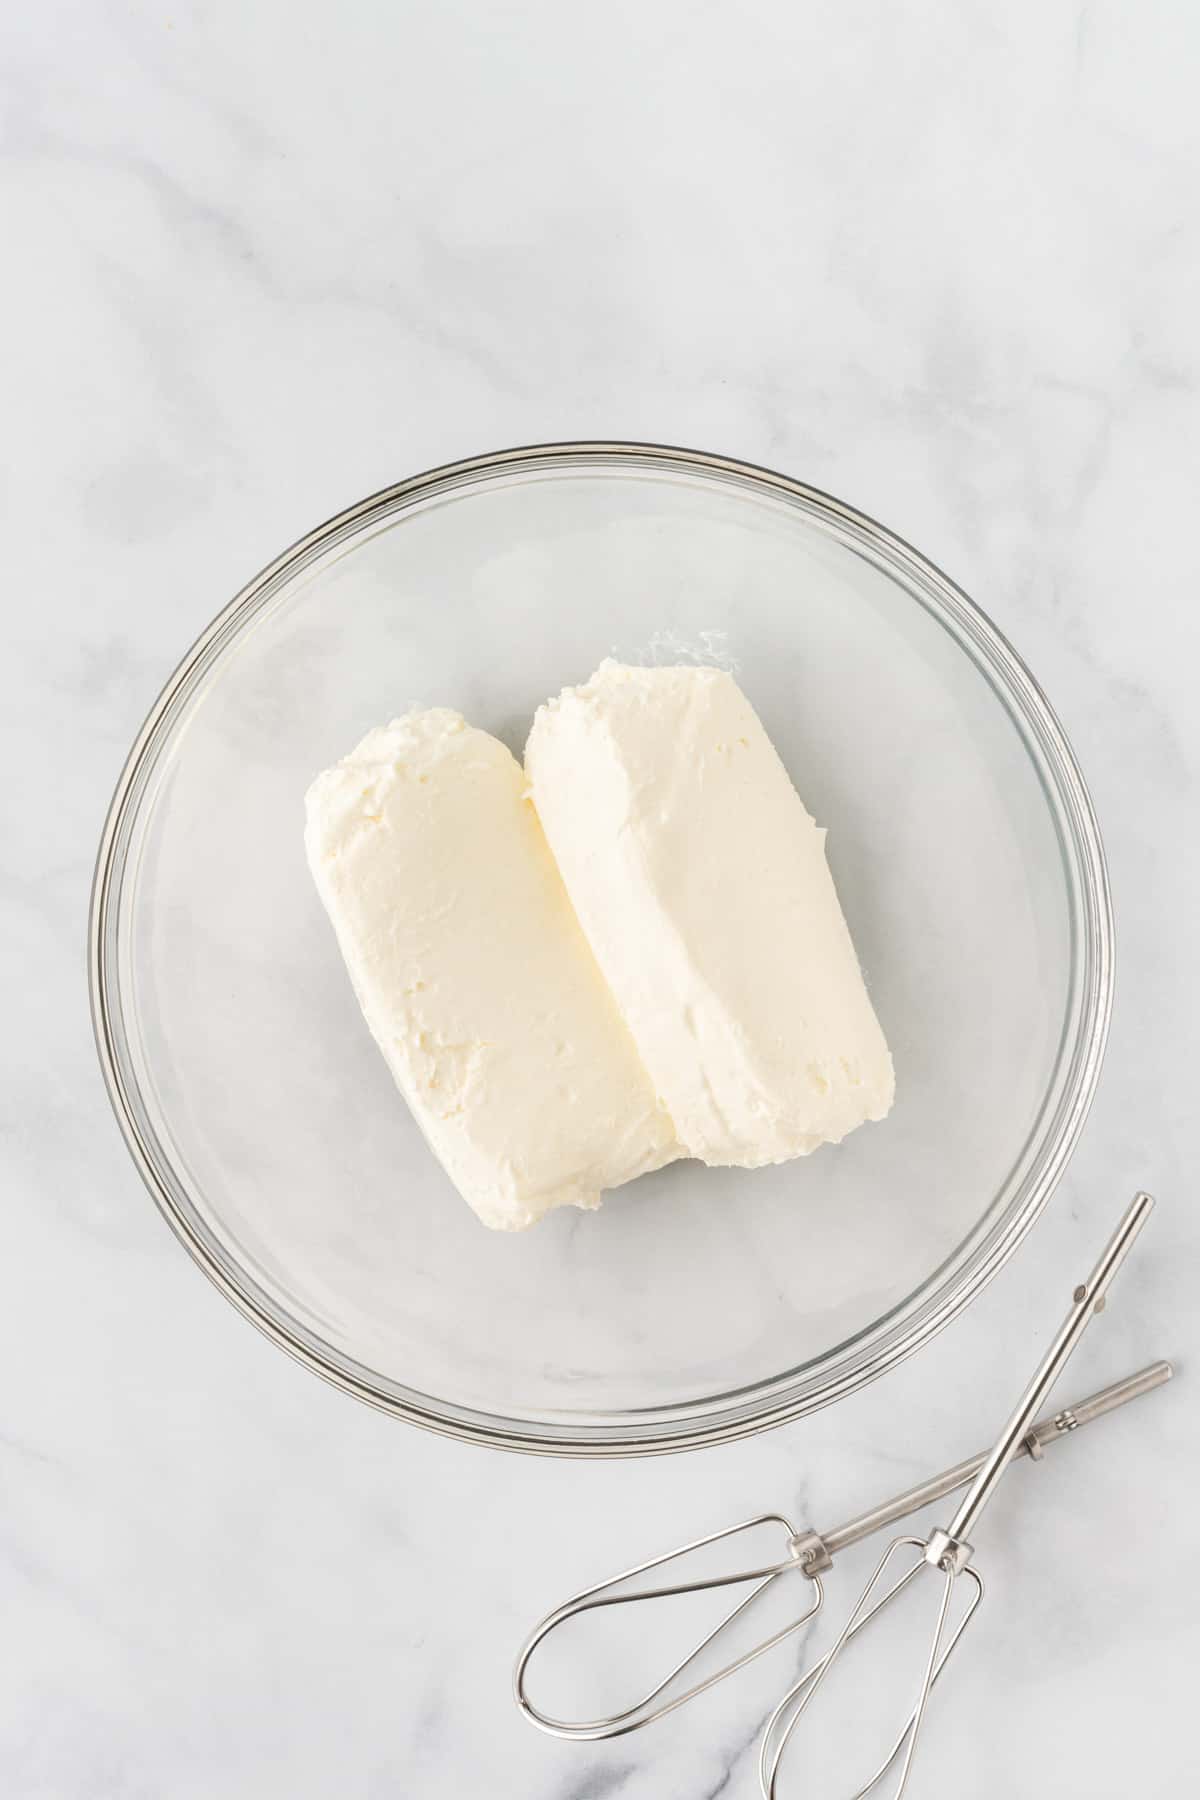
(263, 259)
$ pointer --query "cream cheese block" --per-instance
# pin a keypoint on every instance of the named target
(473, 974)
(701, 884)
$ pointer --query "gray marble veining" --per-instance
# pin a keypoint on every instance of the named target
(261, 260)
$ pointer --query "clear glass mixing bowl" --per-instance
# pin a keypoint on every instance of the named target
(699, 1304)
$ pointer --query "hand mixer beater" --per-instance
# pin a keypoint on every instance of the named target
(946, 1554)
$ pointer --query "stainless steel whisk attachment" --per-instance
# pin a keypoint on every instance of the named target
(946, 1555)
(806, 1553)
(810, 1554)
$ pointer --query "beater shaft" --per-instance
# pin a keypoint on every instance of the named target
(1088, 1301)
(1034, 1444)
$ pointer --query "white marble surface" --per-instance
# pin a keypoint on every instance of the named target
(262, 259)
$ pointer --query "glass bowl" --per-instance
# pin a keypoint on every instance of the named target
(698, 1304)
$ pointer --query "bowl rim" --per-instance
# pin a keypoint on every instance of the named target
(699, 1423)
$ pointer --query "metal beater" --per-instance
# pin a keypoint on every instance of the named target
(810, 1554)
(947, 1554)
